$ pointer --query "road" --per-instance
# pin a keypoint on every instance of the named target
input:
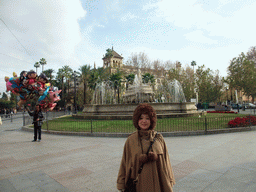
(11, 124)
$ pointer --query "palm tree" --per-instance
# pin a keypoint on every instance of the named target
(103, 73)
(115, 79)
(94, 78)
(85, 75)
(193, 63)
(64, 72)
(129, 79)
(60, 78)
(36, 65)
(43, 62)
(48, 73)
(147, 77)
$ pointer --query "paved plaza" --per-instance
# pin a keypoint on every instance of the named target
(221, 162)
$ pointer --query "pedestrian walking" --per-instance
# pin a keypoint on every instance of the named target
(145, 165)
(37, 121)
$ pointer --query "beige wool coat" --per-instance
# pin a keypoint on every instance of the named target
(156, 176)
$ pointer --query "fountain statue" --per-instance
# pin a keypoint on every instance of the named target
(171, 92)
(139, 92)
(103, 94)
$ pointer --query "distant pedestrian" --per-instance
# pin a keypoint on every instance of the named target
(37, 121)
(15, 111)
(145, 158)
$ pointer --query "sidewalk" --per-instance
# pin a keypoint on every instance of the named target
(222, 162)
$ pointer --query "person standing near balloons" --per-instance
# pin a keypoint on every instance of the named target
(37, 121)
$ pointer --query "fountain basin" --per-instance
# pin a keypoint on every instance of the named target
(125, 111)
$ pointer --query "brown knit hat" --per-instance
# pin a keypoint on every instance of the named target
(145, 108)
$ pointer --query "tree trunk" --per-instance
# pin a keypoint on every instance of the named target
(67, 80)
(85, 92)
(62, 80)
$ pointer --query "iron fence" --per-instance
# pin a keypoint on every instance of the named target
(70, 124)
(48, 116)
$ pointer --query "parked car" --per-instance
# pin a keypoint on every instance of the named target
(250, 105)
(234, 106)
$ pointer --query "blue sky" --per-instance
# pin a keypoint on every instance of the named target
(74, 32)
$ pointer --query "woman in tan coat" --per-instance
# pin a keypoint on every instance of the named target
(157, 174)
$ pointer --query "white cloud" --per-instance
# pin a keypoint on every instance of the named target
(189, 14)
(198, 36)
(184, 13)
(238, 25)
(44, 25)
(102, 26)
(112, 8)
(47, 28)
(128, 17)
(214, 34)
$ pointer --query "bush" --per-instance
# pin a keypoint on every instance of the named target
(221, 112)
(242, 122)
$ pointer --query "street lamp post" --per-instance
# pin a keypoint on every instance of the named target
(118, 96)
(227, 94)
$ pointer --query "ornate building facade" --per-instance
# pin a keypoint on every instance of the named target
(115, 63)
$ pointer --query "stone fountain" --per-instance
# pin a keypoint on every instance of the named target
(168, 101)
(139, 92)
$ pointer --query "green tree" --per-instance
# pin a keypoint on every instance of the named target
(218, 85)
(49, 74)
(251, 54)
(186, 79)
(93, 79)
(43, 62)
(242, 75)
(85, 75)
(64, 74)
(193, 64)
(4, 96)
(103, 74)
(175, 73)
(203, 81)
(109, 53)
(36, 65)
(4, 104)
(129, 79)
(147, 77)
(188, 83)
(209, 84)
(115, 79)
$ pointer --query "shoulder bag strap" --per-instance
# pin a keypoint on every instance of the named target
(141, 167)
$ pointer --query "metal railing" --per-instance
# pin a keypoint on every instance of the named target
(27, 120)
(126, 126)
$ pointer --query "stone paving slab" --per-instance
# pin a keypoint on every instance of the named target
(6, 185)
(222, 162)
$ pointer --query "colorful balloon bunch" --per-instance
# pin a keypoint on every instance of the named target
(30, 86)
